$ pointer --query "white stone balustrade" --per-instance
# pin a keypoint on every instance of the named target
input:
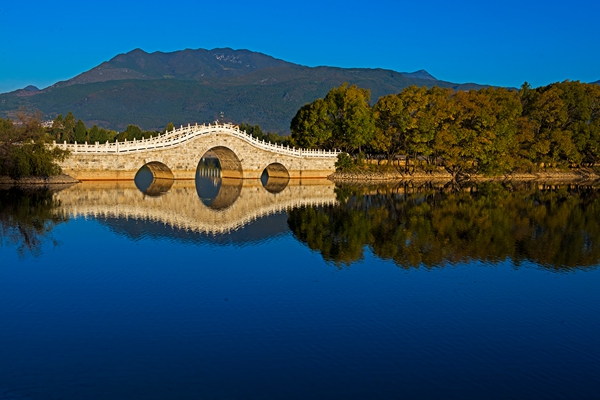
(183, 134)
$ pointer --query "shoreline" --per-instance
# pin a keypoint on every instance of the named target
(356, 177)
(38, 183)
(387, 177)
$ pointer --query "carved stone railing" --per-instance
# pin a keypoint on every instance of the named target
(184, 134)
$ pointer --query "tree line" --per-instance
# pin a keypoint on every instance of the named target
(490, 131)
(70, 130)
(257, 132)
(67, 129)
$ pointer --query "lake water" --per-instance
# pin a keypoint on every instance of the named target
(228, 289)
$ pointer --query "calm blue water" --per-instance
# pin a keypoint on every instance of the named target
(116, 306)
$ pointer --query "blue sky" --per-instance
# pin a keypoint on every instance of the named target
(501, 43)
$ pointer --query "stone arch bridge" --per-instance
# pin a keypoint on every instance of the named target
(176, 154)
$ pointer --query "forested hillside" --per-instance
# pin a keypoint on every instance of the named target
(150, 90)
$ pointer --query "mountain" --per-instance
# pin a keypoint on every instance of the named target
(596, 83)
(184, 65)
(153, 89)
(420, 74)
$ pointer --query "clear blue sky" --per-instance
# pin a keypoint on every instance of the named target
(499, 43)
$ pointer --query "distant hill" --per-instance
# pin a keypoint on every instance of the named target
(421, 74)
(596, 83)
(153, 89)
(183, 65)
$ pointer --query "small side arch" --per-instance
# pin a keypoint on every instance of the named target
(160, 170)
(154, 179)
(275, 178)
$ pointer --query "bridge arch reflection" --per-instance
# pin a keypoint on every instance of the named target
(181, 208)
(154, 179)
(275, 177)
(214, 191)
(229, 163)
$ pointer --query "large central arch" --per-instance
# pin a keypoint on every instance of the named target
(231, 166)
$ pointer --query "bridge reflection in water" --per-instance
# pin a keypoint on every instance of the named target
(183, 204)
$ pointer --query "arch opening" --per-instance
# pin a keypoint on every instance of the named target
(275, 177)
(214, 188)
(154, 179)
(231, 166)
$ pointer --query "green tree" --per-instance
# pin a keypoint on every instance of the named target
(559, 116)
(343, 119)
(24, 149)
(58, 128)
(430, 113)
(391, 119)
(68, 133)
(80, 132)
(94, 134)
(130, 133)
(311, 126)
(352, 119)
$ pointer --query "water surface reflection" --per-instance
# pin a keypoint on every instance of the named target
(28, 217)
(154, 297)
(235, 204)
(556, 226)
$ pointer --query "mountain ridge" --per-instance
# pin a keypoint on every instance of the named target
(153, 89)
(181, 64)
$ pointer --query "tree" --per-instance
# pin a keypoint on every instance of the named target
(391, 119)
(431, 112)
(311, 126)
(549, 113)
(58, 128)
(130, 133)
(24, 150)
(80, 132)
(351, 116)
(343, 119)
(68, 133)
(94, 134)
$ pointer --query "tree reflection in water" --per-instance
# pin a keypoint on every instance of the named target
(27, 218)
(556, 226)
